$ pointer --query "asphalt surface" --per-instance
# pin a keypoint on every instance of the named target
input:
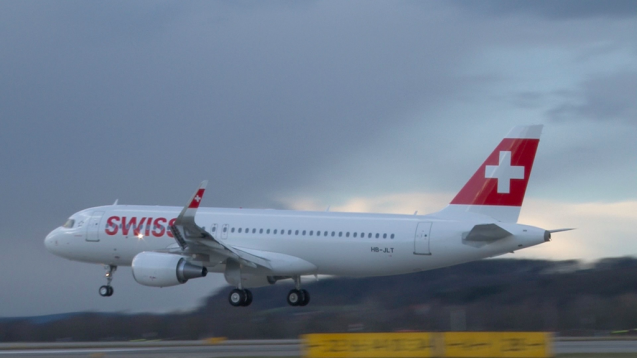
(255, 348)
(595, 346)
(287, 348)
(161, 352)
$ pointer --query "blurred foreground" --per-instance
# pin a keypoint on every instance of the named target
(587, 348)
(565, 297)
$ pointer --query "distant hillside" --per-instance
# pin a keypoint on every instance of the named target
(531, 295)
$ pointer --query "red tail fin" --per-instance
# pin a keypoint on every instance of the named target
(498, 186)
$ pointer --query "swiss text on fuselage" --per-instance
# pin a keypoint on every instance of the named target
(145, 225)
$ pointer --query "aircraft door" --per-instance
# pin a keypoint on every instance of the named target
(93, 227)
(421, 240)
(224, 231)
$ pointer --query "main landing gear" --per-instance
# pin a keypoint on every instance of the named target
(297, 296)
(107, 290)
(240, 297)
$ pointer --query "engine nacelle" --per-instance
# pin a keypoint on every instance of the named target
(162, 270)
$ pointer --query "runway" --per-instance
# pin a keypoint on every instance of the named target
(189, 349)
(253, 348)
(571, 346)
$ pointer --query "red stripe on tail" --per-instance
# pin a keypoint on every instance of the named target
(503, 177)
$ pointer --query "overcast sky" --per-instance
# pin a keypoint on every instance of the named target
(364, 106)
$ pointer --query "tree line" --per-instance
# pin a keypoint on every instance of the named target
(566, 297)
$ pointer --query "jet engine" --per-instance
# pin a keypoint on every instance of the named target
(162, 270)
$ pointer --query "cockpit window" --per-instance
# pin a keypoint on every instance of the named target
(69, 223)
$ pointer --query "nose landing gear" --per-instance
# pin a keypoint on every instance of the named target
(107, 290)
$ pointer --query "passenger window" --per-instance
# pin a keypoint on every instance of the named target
(232, 230)
(225, 228)
(303, 232)
(311, 232)
(254, 231)
(296, 232)
(214, 228)
(333, 233)
(267, 231)
(369, 236)
(377, 235)
(274, 232)
(347, 234)
(247, 231)
(340, 233)
(289, 232)
(239, 230)
(261, 231)
(325, 233)
(392, 236)
(355, 234)
(384, 236)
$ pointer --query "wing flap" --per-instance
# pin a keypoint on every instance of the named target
(281, 264)
(191, 236)
(239, 255)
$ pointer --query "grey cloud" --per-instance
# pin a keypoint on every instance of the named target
(603, 98)
(100, 102)
(528, 99)
(142, 100)
(556, 10)
(232, 105)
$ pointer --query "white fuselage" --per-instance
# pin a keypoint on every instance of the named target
(343, 244)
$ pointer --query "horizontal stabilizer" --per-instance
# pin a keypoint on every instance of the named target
(560, 230)
(486, 233)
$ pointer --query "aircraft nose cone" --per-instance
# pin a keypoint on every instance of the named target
(50, 242)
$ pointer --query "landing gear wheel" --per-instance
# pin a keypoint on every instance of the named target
(295, 297)
(237, 297)
(306, 298)
(106, 291)
(248, 300)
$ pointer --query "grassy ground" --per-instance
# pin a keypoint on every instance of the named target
(575, 355)
(598, 355)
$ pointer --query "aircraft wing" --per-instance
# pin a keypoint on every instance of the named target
(191, 237)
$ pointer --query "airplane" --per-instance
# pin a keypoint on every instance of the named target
(167, 246)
